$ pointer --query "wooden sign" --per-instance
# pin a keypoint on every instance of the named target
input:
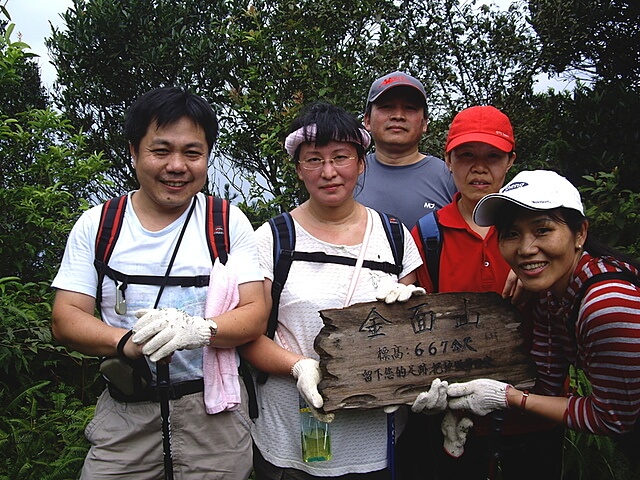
(373, 354)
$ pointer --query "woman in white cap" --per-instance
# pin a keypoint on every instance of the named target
(479, 151)
(327, 146)
(586, 313)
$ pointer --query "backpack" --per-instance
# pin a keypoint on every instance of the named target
(430, 233)
(217, 233)
(111, 219)
(284, 254)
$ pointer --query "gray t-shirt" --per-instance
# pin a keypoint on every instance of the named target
(406, 191)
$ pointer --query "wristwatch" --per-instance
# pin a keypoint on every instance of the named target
(213, 326)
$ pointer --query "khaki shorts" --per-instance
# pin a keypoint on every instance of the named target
(126, 440)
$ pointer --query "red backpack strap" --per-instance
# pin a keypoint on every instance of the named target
(109, 228)
(217, 228)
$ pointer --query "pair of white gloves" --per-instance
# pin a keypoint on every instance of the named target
(165, 330)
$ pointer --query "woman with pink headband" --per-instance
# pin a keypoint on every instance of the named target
(327, 145)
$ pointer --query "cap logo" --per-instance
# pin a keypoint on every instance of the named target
(502, 134)
(513, 186)
(389, 80)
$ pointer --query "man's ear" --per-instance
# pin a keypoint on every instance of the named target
(134, 155)
(366, 122)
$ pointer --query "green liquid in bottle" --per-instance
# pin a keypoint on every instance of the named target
(316, 446)
(314, 435)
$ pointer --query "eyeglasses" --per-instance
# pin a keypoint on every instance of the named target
(316, 163)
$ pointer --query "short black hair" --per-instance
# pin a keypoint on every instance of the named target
(332, 123)
(166, 106)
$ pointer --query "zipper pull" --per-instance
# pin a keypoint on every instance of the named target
(121, 302)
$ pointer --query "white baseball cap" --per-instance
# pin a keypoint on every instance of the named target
(535, 190)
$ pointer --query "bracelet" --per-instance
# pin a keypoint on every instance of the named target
(122, 343)
(213, 326)
(523, 402)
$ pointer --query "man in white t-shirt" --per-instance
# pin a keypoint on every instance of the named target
(171, 133)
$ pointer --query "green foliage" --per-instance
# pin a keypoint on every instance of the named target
(599, 130)
(46, 392)
(589, 456)
(595, 38)
(42, 433)
(46, 178)
(24, 331)
(19, 76)
(613, 211)
(45, 181)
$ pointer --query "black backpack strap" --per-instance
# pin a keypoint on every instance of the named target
(321, 257)
(625, 275)
(284, 240)
(172, 281)
(111, 221)
(431, 235)
(395, 234)
(217, 228)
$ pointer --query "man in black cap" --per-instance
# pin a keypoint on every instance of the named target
(399, 179)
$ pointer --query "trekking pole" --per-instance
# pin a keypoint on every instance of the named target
(162, 371)
(391, 444)
(495, 442)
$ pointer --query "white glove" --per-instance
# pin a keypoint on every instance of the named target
(432, 401)
(455, 432)
(392, 292)
(480, 396)
(165, 330)
(307, 372)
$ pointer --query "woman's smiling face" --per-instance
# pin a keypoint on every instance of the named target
(543, 252)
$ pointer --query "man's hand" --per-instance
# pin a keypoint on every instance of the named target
(455, 432)
(432, 401)
(391, 292)
(307, 372)
(480, 396)
(165, 330)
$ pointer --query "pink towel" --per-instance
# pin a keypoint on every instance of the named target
(219, 365)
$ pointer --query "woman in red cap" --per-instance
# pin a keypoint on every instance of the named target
(465, 257)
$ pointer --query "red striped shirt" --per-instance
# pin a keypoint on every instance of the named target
(606, 347)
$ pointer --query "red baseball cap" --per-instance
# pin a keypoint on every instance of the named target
(484, 124)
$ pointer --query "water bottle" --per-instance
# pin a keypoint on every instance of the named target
(314, 434)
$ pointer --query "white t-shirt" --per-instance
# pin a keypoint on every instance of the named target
(358, 437)
(141, 252)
